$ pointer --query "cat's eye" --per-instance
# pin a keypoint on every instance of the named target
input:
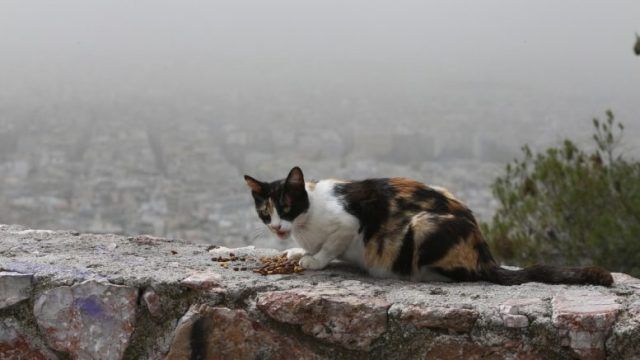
(285, 204)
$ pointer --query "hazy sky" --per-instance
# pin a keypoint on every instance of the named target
(61, 48)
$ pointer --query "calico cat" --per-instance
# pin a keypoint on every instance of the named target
(392, 227)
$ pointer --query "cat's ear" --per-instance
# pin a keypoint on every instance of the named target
(295, 179)
(254, 185)
(293, 186)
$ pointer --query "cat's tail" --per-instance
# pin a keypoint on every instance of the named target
(592, 275)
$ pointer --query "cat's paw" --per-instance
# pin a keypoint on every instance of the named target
(294, 254)
(310, 263)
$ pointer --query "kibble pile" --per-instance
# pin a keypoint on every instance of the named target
(271, 265)
(278, 264)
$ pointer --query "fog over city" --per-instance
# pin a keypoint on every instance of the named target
(142, 116)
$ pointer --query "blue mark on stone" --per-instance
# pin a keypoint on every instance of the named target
(90, 306)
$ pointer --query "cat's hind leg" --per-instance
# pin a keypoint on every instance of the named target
(446, 247)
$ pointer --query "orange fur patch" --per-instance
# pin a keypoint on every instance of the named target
(456, 206)
(405, 187)
(267, 207)
(463, 255)
(390, 239)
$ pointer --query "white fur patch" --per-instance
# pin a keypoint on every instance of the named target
(355, 252)
(294, 253)
(325, 218)
(275, 218)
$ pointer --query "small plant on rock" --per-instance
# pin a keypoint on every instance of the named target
(570, 206)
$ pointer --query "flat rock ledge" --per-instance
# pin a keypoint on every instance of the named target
(65, 295)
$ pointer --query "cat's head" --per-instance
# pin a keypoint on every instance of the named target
(280, 202)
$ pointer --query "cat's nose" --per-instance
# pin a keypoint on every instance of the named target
(275, 227)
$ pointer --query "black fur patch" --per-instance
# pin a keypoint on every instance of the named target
(457, 274)
(367, 200)
(198, 340)
(433, 201)
(260, 203)
(276, 191)
(550, 275)
(403, 263)
(442, 204)
(440, 201)
(390, 231)
(449, 232)
(408, 205)
(460, 210)
(484, 255)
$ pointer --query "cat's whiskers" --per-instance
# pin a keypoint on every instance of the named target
(258, 232)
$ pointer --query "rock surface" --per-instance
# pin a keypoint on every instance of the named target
(585, 320)
(16, 345)
(14, 287)
(206, 332)
(455, 319)
(344, 315)
(91, 296)
(88, 320)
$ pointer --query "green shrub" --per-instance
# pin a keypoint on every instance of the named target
(568, 206)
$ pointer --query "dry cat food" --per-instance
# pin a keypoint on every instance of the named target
(232, 257)
(278, 264)
(224, 261)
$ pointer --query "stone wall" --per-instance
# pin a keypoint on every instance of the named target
(84, 296)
